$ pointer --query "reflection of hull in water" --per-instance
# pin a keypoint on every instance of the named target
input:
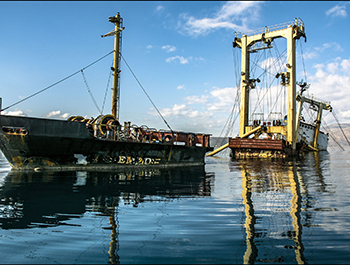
(48, 199)
(56, 145)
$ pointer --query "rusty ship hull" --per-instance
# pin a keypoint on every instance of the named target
(260, 148)
(277, 148)
(36, 143)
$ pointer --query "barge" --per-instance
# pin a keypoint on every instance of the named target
(97, 143)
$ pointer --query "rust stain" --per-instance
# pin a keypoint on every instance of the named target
(49, 163)
(17, 160)
(236, 143)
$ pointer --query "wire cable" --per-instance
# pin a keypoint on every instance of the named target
(109, 79)
(88, 89)
(77, 72)
(146, 93)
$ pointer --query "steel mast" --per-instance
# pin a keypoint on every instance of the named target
(118, 22)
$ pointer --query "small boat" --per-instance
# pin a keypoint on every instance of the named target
(98, 143)
(277, 129)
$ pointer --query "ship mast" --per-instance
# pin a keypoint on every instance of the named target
(118, 22)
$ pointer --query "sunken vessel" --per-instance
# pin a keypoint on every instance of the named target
(98, 143)
(278, 129)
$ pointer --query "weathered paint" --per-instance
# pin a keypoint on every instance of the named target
(259, 154)
(47, 143)
(291, 33)
(262, 148)
(54, 143)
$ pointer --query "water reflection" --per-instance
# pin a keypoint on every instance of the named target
(268, 188)
(47, 199)
(253, 211)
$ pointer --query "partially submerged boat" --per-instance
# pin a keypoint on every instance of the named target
(98, 143)
(272, 132)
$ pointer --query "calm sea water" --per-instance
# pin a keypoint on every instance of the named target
(254, 211)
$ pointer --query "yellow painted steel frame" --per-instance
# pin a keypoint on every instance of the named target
(269, 129)
(321, 106)
(291, 33)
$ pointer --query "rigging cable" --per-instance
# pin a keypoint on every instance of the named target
(302, 58)
(146, 93)
(57, 82)
(88, 89)
(228, 126)
(230, 121)
(324, 125)
(109, 79)
(335, 117)
(265, 71)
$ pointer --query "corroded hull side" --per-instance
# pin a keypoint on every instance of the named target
(56, 144)
(307, 134)
(258, 148)
(269, 148)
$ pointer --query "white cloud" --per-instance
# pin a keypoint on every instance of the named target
(149, 47)
(345, 64)
(223, 99)
(183, 117)
(332, 67)
(346, 114)
(169, 48)
(331, 82)
(310, 55)
(176, 110)
(65, 115)
(205, 113)
(200, 59)
(196, 99)
(16, 112)
(181, 59)
(335, 46)
(317, 50)
(337, 11)
(53, 113)
(234, 15)
(159, 8)
(181, 87)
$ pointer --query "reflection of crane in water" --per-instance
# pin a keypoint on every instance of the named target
(271, 178)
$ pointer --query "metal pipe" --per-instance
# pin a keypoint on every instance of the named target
(250, 132)
(217, 150)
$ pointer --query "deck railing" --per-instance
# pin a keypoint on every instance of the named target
(296, 22)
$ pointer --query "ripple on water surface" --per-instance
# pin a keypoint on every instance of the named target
(247, 211)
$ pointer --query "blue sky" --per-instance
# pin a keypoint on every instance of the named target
(181, 52)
